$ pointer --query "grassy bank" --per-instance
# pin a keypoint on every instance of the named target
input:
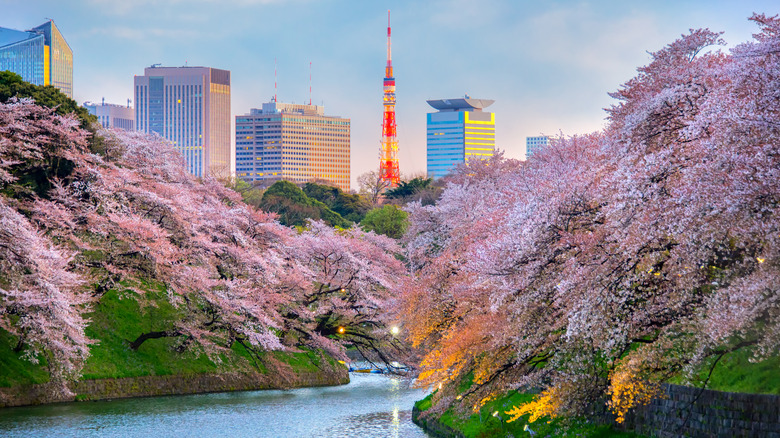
(119, 317)
(733, 372)
(490, 421)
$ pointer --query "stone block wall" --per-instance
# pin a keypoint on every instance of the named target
(432, 426)
(146, 386)
(693, 412)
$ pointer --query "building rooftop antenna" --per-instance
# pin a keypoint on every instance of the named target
(275, 80)
(309, 82)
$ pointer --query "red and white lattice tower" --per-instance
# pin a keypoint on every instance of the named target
(388, 158)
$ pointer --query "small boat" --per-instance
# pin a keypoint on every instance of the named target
(366, 370)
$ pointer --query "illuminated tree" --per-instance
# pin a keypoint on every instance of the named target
(611, 261)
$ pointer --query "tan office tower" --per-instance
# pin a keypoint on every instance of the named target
(40, 56)
(297, 143)
(189, 106)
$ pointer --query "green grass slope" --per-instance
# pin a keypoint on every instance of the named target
(490, 421)
(118, 318)
(737, 372)
(734, 372)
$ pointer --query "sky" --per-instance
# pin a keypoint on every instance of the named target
(547, 64)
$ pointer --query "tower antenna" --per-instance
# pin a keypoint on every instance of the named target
(388, 157)
(389, 57)
(275, 80)
(309, 82)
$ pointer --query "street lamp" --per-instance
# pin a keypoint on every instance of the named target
(394, 330)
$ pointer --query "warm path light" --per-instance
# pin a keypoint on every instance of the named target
(341, 330)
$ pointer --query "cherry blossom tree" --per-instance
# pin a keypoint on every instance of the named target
(92, 223)
(352, 274)
(611, 261)
(41, 303)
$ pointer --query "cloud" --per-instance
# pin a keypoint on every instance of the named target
(122, 8)
(594, 40)
(142, 34)
(465, 14)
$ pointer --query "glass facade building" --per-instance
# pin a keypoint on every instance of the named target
(40, 56)
(297, 143)
(112, 116)
(533, 144)
(458, 132)
(190, 107)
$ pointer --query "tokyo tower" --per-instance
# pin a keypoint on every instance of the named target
(388, 158)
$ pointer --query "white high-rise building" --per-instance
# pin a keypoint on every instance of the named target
(112, 116)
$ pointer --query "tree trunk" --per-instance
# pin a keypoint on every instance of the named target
(152, 335)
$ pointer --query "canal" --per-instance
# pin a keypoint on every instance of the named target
(371, 405)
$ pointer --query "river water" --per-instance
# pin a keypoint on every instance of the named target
(371, 405)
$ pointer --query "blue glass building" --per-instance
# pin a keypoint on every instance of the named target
(458, 132)
(40, 56)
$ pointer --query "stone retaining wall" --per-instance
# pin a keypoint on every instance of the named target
(683, 412)
(433, 427)
(693, 412)
(146, 386)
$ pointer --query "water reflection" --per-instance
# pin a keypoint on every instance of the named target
(395, 424)
(370, 406)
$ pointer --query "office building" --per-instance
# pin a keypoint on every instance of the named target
(40, 56)
(533, 144)
(189, 106)
(111, 115)
(297, 143)
(461, 130)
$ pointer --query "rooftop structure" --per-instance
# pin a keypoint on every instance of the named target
(460, 104)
